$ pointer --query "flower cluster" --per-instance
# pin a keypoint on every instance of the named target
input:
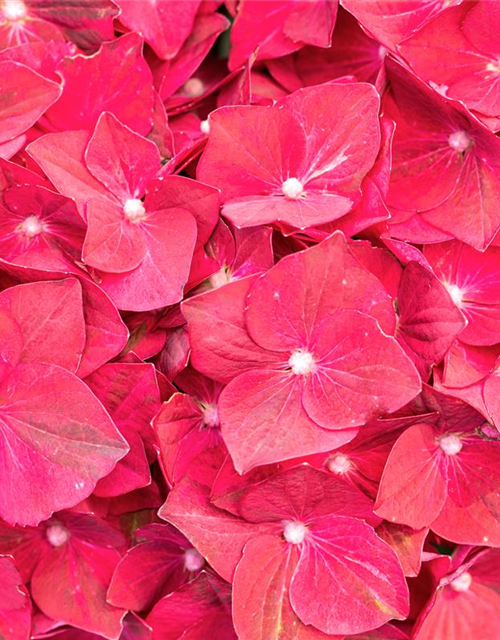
(249, 319)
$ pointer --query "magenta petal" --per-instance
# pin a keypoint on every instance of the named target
(70, 445)
(346, 559)
(262, 608)
(123, 161)
(25, 96)
(361, 373)
(51, 319)
(263, 421)
(413, 487)
(286, 304)
(113, 243)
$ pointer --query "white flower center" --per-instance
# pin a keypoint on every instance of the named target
(292, 188)
(194, 87)
(339, 464)
(31, 226)
(302, 362)
(211, 416)
(193, 561)
(57, 535)
(494, 66)
(462, 583)
(14, 10)
(451, 445)
(205, 127)
(459, 140)
(134, 210)
(455, 293)
(294, 532)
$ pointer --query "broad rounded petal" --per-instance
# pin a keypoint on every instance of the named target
(220, 345)
(468, 614)
(459, 61)
(344, 558)
(361, 373)
(262, 609)
(312, 209)
(471, 513)
(408, 543)
(219, 536)
(429, 320)
(70, 584)
(51, 319)
(413, 487)
(15, 604)
(25, 96)
(112, 244)
(128, 93)
(122, 160)
(263, 421)
(160, 278)
(286, 305)
(474, 279)
(54, 451)
(390, 22)
(304, 493)
(199, 609)
(106, 333)
(164, 25)
(159, 552)
(236, 160)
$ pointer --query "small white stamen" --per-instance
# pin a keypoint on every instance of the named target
(451, 445)
(14, 10)
(382, 52)
(494, 66)
(460, 141)
(455, 293)
(134, 210)
(302, 362)
(295, 532)
(205, 127)
(57, 535)
(292, 188)
(211, 416)
(194, 87)
(462, 583)
(31, 227)
(193, 561)
(339, 464)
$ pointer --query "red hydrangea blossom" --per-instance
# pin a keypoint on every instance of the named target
(249, 320)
